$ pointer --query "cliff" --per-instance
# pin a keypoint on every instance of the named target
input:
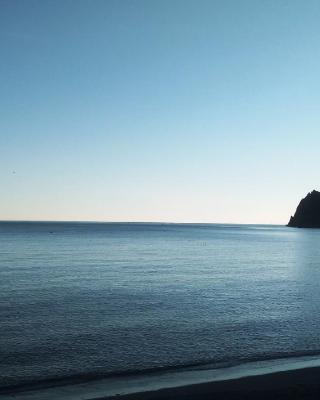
(307, 214)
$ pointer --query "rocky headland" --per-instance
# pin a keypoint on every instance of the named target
(307, 214)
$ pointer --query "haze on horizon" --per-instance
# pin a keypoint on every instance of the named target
(171, 110)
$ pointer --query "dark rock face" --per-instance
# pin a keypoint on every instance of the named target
(307, 214)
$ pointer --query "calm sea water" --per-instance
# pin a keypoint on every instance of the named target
(86, 299)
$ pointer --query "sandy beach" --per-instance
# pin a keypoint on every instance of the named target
(277, 379)
(297, 384)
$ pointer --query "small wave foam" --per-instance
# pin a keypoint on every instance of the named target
(203, 367)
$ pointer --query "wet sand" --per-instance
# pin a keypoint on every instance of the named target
(293, 384)
(296, 384)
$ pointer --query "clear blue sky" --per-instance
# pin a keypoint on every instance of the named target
(167, 110)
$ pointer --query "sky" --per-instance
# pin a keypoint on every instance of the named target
(149, 110)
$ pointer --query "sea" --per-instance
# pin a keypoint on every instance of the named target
(84, 301)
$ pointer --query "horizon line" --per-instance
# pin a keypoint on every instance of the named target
(135, 222)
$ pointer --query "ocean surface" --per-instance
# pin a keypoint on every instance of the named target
(89, 300)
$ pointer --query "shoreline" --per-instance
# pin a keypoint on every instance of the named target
(285, 385)
(285, 376)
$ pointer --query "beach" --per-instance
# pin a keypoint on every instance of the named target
(277, 379)
(297, 384)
